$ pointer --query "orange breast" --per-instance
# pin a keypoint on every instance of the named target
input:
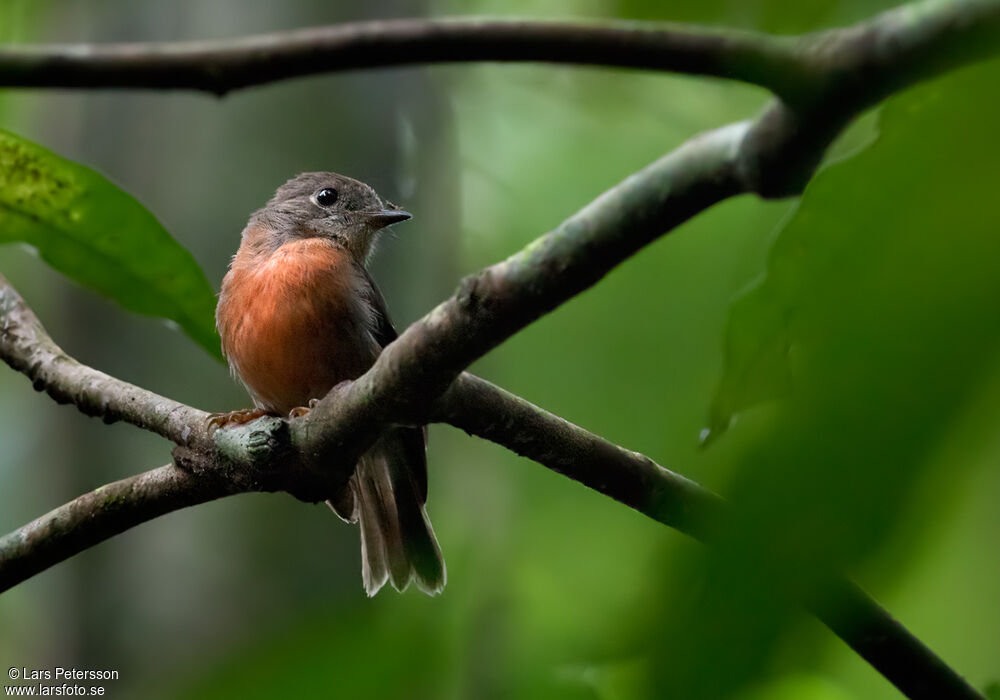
(293, 324)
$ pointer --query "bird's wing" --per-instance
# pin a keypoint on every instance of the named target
(413, 439)
(383, 330)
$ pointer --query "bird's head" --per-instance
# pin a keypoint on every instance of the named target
(332, 206)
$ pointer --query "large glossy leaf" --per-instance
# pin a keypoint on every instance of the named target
(91, 231)
(876, 329)
(889, 249)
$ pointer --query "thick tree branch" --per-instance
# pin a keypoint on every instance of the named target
(230, 64)
(909, 42)
(495, 303)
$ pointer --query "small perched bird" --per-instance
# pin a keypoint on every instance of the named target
(298, 313)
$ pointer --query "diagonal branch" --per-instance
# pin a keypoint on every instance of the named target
(27, 348)
(493, 304)
(486, 411)
(99, 515)
(489, 412)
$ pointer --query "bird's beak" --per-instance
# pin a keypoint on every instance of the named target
(387, 217)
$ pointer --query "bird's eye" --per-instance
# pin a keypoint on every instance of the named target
(326, 197)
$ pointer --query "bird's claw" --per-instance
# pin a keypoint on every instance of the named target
(241, 417)
(300, 411)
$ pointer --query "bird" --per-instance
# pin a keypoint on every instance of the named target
(299, 313)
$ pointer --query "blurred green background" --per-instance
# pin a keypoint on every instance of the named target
(853, 335)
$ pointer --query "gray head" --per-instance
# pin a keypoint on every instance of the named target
(327, 205)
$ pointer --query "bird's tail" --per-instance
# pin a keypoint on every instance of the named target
(386, 498)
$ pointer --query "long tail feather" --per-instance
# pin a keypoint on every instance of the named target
(397, 540)
(374, 557)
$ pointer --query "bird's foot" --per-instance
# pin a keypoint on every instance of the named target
(300, 411)
(241, 417)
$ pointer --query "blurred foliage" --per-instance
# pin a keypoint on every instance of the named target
(871, 319)
(93, 232)
(833, 268)
(876, 452)
(871, 324)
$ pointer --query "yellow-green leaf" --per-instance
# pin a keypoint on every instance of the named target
(93, 232)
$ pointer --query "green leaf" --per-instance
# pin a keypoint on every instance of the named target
(877, 325)
(899, 236)
(93, 232)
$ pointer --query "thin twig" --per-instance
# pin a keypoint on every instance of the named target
(27, 348)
